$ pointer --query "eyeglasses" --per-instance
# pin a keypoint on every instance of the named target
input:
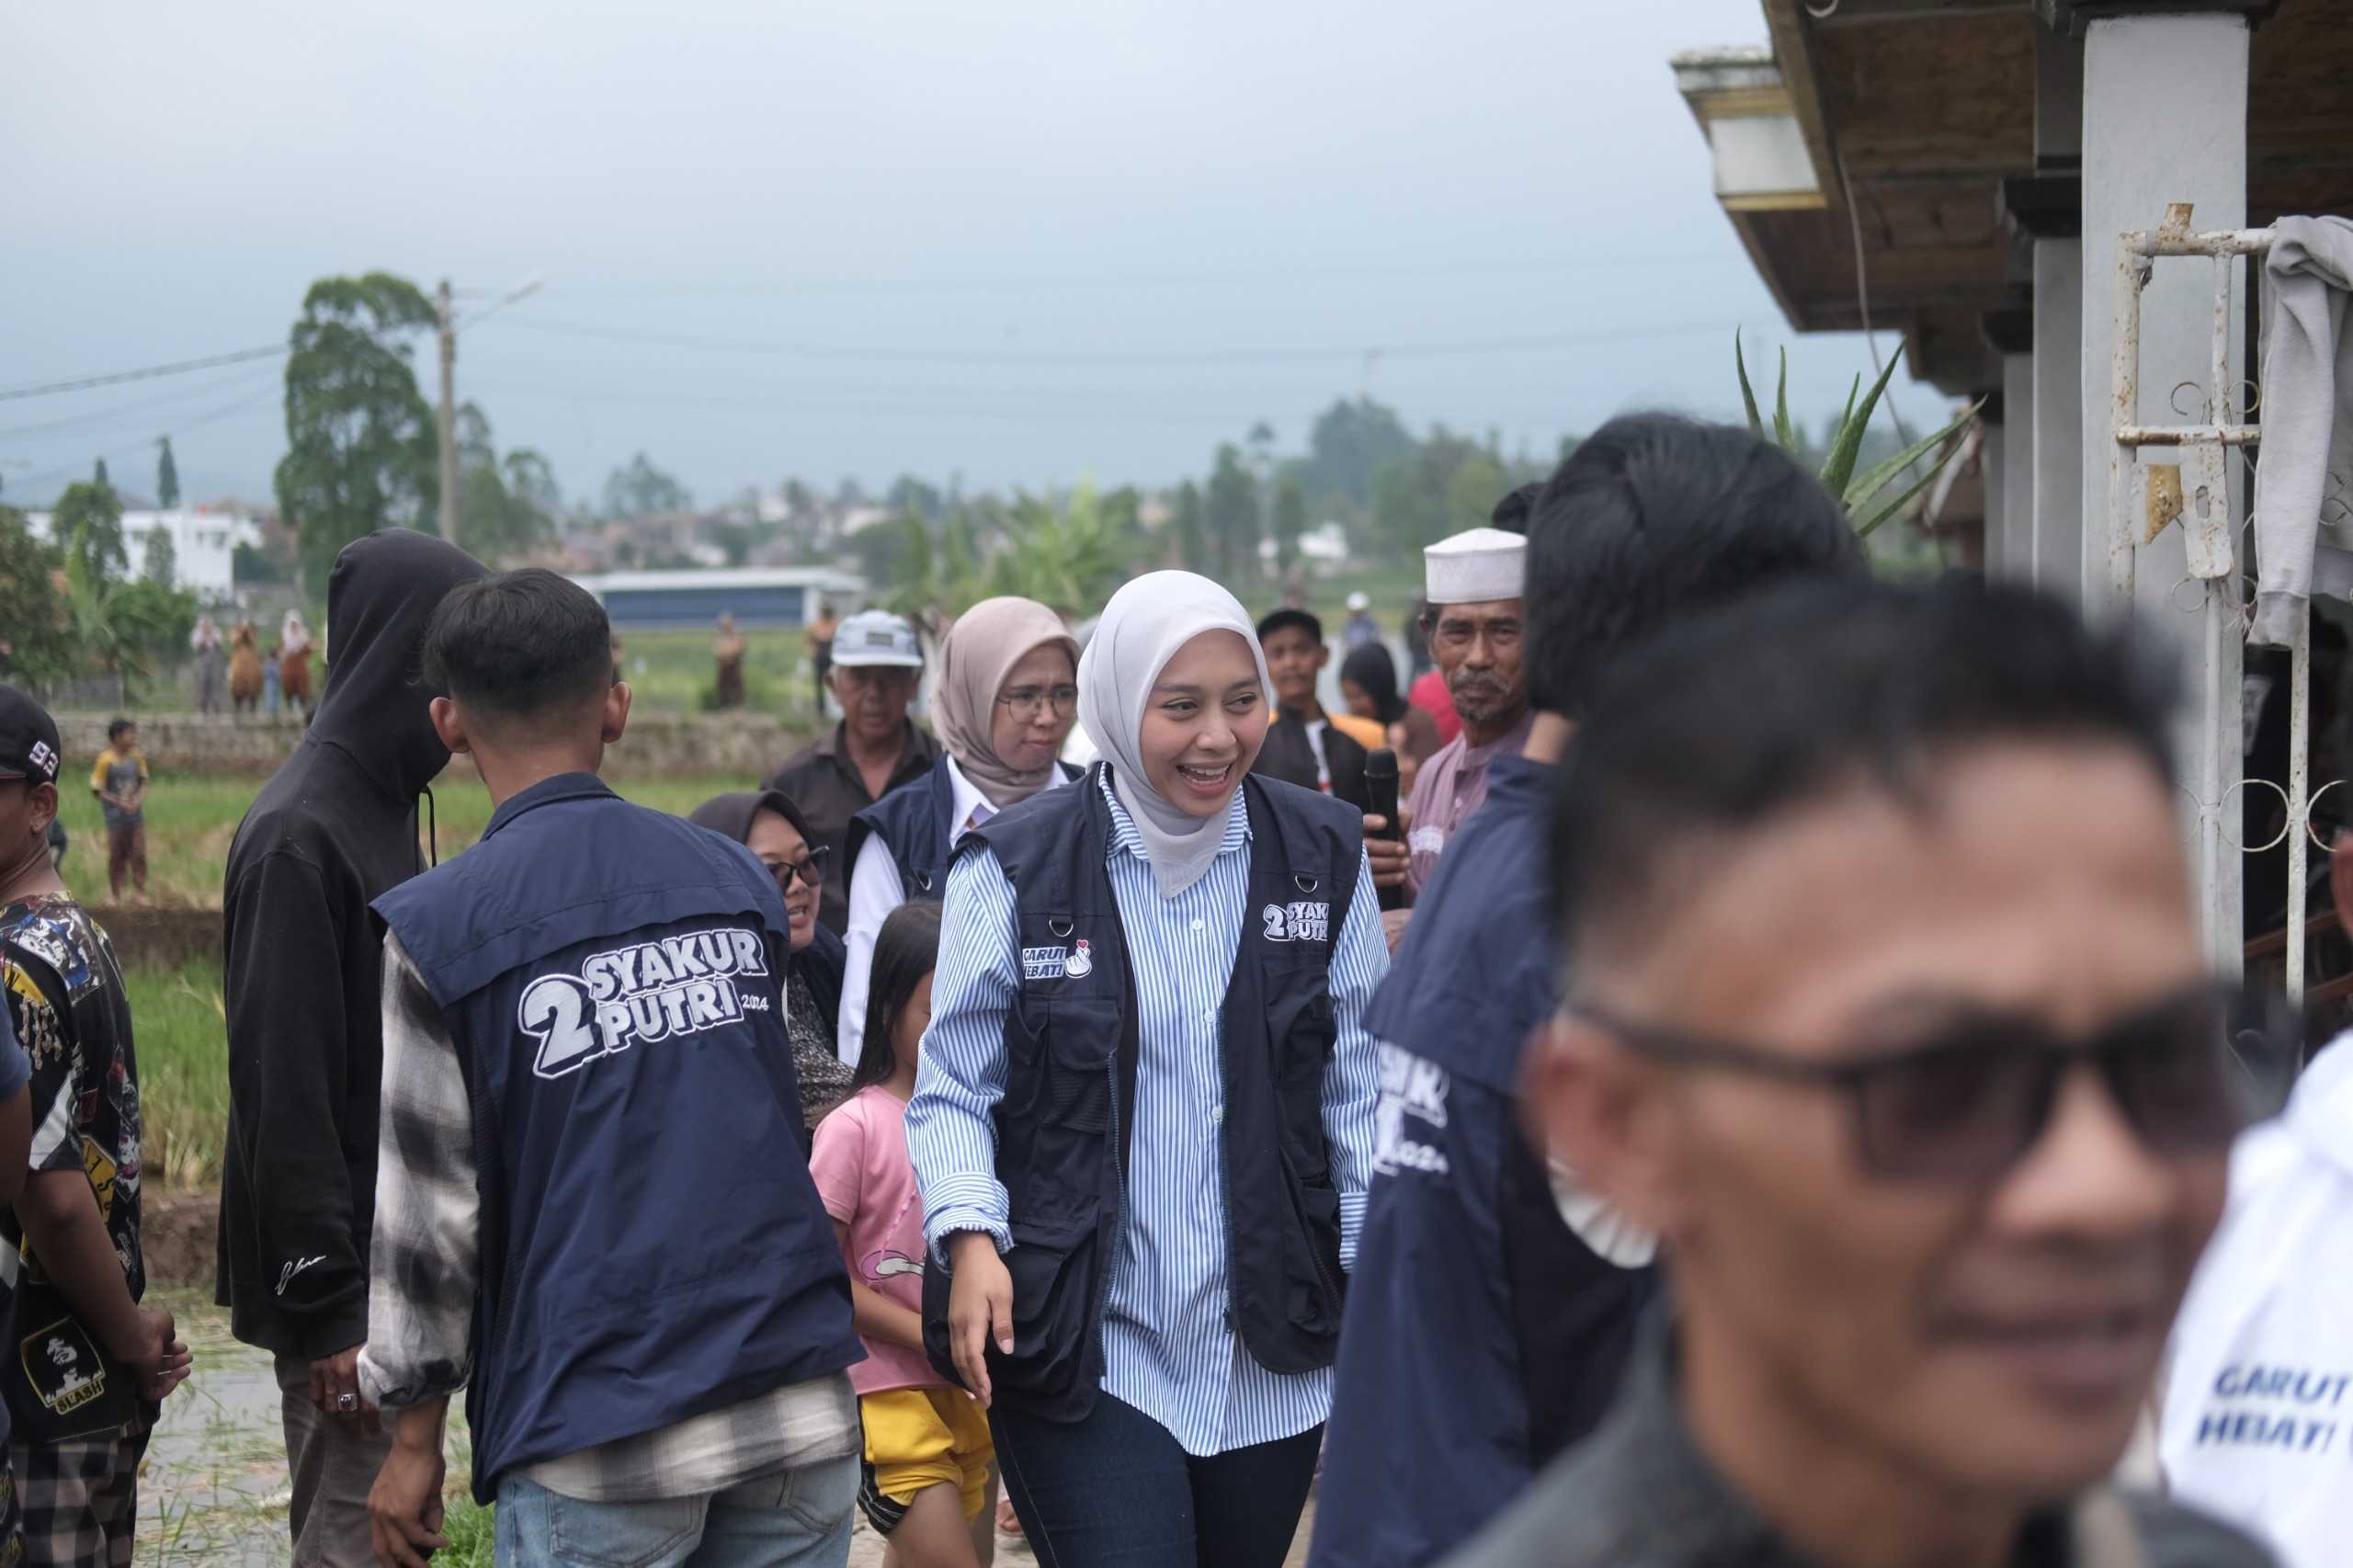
(2188, 1072)
(1028, 701)
(810, 868)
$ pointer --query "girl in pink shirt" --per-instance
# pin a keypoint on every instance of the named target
(927, 1445)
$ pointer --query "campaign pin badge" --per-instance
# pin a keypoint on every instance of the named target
(1081, 962)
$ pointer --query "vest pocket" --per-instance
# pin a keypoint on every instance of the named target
(1053, 1267)
(1312, 1288)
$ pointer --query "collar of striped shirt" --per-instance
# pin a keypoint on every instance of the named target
(1125, 836)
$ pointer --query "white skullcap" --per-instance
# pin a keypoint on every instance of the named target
(1476, 566)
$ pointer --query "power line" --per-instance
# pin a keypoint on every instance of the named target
(804, 350)
(210, 361)
(968, 285)
(106, 415)
(210, 416)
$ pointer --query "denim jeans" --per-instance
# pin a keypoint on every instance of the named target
(787, 1519)
(1116, 1491)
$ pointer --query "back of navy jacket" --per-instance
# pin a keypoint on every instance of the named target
(651, 1245)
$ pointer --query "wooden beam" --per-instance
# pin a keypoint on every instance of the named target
(1864, 13)
(1794, 51)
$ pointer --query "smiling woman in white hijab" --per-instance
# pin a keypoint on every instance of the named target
(1143, 1124)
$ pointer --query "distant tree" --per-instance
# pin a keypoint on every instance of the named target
(1066, 560)
(1231, 511)
(1290, 520)
(504, 506)
(850, 493)
(908, 493)
(1187, 528)
(99, 477)
(1471, 491)
(35, 624)
(1350, 443)
(252, 563)
(640, 489)
(361, 442)
(799, 499)
(160, 562)
(87, 521)
(167, 475)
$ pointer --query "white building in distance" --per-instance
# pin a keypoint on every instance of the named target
(204, 544)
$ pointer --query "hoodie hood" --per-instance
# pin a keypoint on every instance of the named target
(381, 593)
(2320, 1112)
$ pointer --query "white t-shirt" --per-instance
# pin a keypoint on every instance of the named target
(2258, 1424)
(875, 889)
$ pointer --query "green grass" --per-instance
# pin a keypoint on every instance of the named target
(191, 819)
(673, 671)
(178, 1021)
(177, 1014)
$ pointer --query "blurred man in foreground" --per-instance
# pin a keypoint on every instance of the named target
(1493, 1305)
(1886, 1011)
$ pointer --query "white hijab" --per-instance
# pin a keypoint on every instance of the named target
(1146, 621)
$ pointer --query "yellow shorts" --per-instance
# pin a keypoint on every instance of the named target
(920, 1437)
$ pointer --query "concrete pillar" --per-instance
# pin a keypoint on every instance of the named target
(2058, 416)
(2017, 466)
(2164, 120)
(1990, 458)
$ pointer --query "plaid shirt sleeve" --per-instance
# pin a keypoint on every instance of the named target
(423, 1266)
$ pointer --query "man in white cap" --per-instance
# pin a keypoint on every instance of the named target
(1474, 585)
(1361, 628)
(874, 749)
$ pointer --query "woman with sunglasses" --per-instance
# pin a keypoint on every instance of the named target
(1144, 1120)
(1004, 700)
(766, 823)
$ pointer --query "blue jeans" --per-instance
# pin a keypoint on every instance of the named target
(787, 1519)
(1116, 1489)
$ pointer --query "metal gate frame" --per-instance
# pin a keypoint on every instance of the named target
(2204, 516)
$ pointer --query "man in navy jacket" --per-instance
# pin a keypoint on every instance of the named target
(591, 1204)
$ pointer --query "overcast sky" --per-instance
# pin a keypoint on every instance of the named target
(1019, 242)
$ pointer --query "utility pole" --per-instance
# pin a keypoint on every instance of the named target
(448, 416)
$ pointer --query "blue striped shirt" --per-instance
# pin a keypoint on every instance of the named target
(1167, 1348)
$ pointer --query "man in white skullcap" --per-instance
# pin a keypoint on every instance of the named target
(1474, 585)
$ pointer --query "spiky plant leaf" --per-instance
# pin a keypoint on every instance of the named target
(1783, 431)
(1748, 394)
(1877, 477)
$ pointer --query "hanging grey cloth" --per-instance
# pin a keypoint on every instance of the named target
(2305, 478)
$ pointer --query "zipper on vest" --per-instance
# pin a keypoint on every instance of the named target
(1225, 1169)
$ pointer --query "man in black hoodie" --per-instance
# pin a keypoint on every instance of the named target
(333, 828)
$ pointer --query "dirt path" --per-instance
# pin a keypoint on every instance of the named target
(214, 1493)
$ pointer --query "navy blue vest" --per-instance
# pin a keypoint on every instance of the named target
(651, 1246)
(1070, 1090)
(916, 823)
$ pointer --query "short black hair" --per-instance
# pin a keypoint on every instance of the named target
(1654, 517)
(1513, 512)
(519, 643)
(1819, 687)
(1277, 620)
(905, 950)
(115, 729)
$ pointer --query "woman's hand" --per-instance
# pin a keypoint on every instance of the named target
(980, 1308)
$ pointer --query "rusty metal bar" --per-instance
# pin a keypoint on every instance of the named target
(2187, 435)
(2124, 392)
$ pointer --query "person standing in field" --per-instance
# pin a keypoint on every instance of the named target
(294, 663)
(89, 1366)
(335, 827)
(727, 657)
(211, 664)
(118, 779)
(821, 650)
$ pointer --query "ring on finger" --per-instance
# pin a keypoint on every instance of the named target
(346, 1401)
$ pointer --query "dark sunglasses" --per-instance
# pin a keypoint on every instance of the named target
(2189, 1072)
(810, 868)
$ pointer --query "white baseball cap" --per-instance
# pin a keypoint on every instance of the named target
(1358, 601)
(876, 637)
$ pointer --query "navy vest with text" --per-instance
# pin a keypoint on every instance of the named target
(1072, 1050)
(916, 825)
(652, 1246)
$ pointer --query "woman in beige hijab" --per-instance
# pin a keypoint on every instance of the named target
(1004, 699)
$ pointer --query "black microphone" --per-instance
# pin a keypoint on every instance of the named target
(1380, 800)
